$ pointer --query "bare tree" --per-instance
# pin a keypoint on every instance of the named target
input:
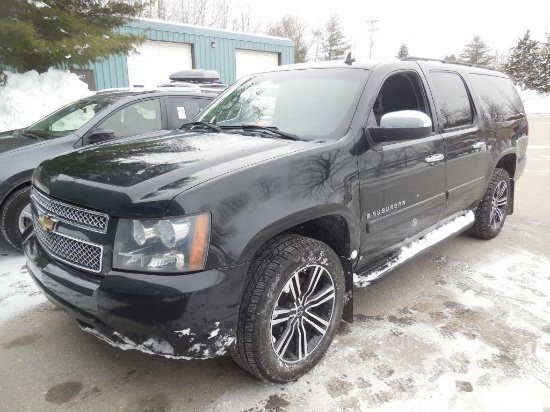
(219, 15)
(243, 21)
(291, 27)
(209, 13)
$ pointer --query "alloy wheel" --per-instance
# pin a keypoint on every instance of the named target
(25, 218)
(302, 314)
(499, 204)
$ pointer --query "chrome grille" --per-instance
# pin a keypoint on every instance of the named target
(74, 252)
(74, 215)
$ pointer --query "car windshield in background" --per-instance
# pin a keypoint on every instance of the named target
(69, 118)
(311, 103)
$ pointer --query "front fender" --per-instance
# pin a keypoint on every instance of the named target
(297, 218)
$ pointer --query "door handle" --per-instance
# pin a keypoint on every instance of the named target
(479, 145)
(434, 158)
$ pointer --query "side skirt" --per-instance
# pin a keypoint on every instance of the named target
(415, 246)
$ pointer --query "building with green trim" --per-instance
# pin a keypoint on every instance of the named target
(174, 46)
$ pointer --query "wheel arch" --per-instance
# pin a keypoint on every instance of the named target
(508, 162)
(330, 224)
(20, 184)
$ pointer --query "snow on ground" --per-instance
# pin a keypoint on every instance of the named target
(28, 97)
(535, 103)
(471, 350)
(18, 293)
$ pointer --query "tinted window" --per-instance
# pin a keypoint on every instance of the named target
(138, 118)
(452, 99)
(402, 91)
(183, 109)
(498, 95)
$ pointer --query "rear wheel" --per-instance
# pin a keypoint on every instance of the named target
(15, 216)
(291, 308)
(492, 210)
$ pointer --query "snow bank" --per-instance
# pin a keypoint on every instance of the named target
(28, 97)
(534, 102)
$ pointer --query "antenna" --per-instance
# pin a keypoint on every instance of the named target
(349, 60)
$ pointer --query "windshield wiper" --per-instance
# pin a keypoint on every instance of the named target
(271, 129)
(208, 125)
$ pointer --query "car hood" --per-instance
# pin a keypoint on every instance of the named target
(136, 178)
(13, 140)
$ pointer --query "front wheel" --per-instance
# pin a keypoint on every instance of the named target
(292, 305)
(491, 212)
(15, 216)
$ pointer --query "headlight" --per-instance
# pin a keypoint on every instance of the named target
(178, 244)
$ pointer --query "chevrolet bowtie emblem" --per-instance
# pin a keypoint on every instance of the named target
(46, 222)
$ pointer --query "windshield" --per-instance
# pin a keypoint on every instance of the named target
(312, 104)
(69, 118)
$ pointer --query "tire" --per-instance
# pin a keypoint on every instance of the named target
(15, 216)
(491, 212)
(303, 280)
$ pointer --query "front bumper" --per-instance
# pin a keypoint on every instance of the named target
(180, 316)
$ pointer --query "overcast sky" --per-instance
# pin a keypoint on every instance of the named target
(429, 28)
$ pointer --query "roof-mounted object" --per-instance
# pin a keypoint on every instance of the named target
(412, 58)
(195, 76)
(349, 60)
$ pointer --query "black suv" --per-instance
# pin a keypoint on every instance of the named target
(103, 116)
(245, 234)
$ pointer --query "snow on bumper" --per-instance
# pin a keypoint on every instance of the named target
(190, 316)
(219, 346)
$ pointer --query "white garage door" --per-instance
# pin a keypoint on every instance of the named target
(251, 61)
(156, 61)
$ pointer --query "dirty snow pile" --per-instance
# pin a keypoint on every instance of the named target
(28, 97)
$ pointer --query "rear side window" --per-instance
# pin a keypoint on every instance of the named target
(183, 109)
(452, 99)
(138, 118)
(499, 97)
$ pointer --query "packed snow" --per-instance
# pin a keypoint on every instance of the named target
(28, 97)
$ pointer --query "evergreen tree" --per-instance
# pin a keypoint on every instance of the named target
(403, 52)
(544, 69)
(291, 27)
(524, 63)
(334, 44)
(477, 52)
(36, 35)
(451, 58)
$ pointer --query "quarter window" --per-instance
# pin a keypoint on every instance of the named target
(452, 99)
(498, 96)
(183, 109)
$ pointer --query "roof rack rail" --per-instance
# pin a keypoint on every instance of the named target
(412, 58)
